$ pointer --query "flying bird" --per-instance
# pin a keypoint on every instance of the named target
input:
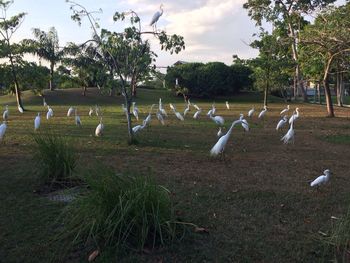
(322, 179)
(37, 122)
(219, 147)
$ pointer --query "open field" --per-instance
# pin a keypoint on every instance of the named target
(257, 206)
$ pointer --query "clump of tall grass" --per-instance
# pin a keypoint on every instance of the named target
(339, 239)
(54, 157)
(121, 211)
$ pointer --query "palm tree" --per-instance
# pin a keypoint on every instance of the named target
(47, 48)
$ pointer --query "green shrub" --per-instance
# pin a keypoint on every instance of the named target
(120, 211)
(54, 157)
(339, 239)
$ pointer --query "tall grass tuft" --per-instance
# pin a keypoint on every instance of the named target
(339, 239)
(55, 158)
(121, 211)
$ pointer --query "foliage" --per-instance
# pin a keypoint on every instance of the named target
(120, 210)
(55, 158)
(207, 80)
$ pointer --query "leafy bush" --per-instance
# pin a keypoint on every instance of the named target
(54, 157)
(208, 80)
(120, 211)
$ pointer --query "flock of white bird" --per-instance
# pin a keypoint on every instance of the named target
(161, 114)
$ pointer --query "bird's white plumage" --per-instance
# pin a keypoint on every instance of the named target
(289, 136)
(3, 128)
(160, 117)
(77, 119)
(179, 116)
(99, 129)
(284, 110)
(282, 122)
(70, 112)
(6, 113)
(135, 111)
(227, 105)
(219, 147)
(172, 107)
(217, 119)
(91, 111)
(20, 109)
(262, 113)
(196, 107)
(244, 122)
(197, 113)
(295, 116)
(49, 113)
(37, 122)
(44, 102)
(186, 110)
(251, 112)
(220, 133)
(324, 178)
(156, 16)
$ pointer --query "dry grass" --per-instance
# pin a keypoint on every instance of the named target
(257, 205)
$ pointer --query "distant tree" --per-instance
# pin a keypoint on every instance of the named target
(34, 77)
(11, 52)
(46, 46)
(328, 39)
(127, 53)
(286, 15)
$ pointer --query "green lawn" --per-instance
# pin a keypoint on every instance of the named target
(257, 206)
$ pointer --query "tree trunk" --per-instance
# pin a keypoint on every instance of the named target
(327, 91)
(128, 117)
(17, 89)
(84, 91)
(112, 92)
(319, 92)
(339, 91)
(51, 76)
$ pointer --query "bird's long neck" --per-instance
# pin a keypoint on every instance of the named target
(161, 10)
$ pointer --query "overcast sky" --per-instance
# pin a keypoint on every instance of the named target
(213, 30)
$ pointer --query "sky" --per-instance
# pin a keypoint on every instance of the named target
(213, 30)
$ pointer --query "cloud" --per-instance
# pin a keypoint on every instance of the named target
(213, 30)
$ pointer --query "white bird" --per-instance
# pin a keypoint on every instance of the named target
(284, 110)
(70, 112)
(244, 123)
(148, 119)
(324, 178)
(220, 133)
(3, 127)
(282, 122)
(99, 129)
(172, 107)
(263, 112)
(212, 110)
(156, 16)
(97, 110)
(162, 111)
(179, 116)
(295, 116)
(49, 113)
(289, 136)
(219, 147)
(44, 102)
(77, 118)
(20, 109)
(217, 119)
(227, 105)
(197, 113)
(160, 117)
(91, 111)
(135, 111)
(187, 109)
(196, 107)
(5, 115)
(139, 127)
(37, 122)
(251, 112)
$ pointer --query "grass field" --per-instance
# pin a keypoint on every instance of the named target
(257, 206)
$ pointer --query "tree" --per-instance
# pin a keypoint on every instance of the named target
(126, 53)
(46, 46)
(271, 67)
(12, 52)
(328, 38)
(286, 15)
